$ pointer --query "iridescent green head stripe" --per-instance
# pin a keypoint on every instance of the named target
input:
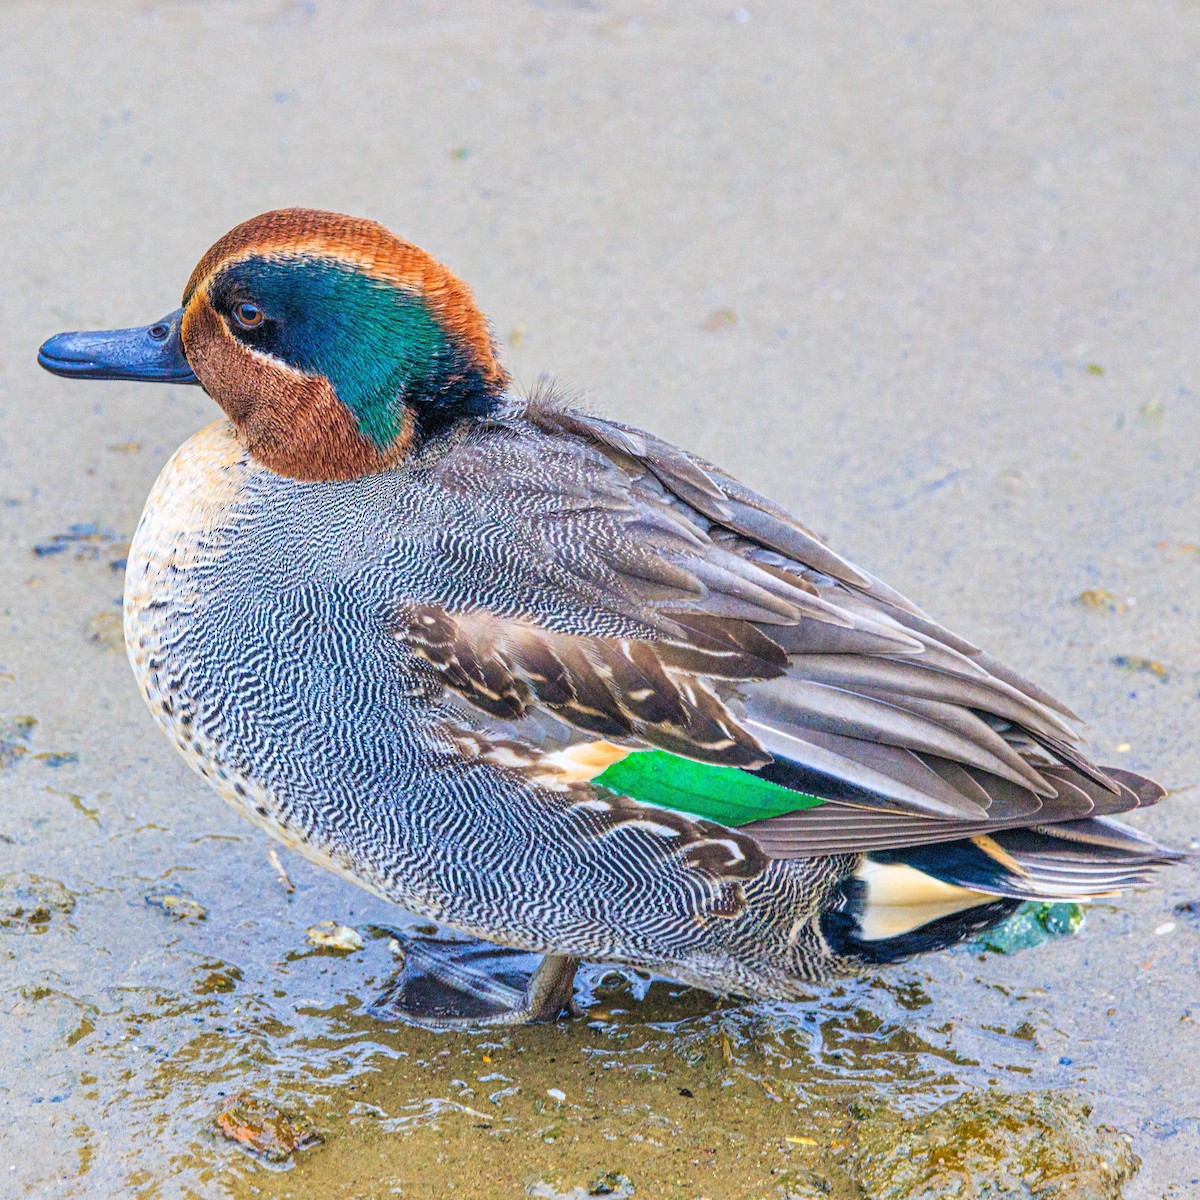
(380, 345)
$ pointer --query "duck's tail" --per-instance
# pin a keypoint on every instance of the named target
(907, 900)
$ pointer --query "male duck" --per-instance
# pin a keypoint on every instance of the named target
(549, 680)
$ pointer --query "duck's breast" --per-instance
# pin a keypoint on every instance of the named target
(256, 623)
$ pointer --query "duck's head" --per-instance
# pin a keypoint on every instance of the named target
(332, 344)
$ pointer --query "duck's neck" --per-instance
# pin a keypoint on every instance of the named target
(309, 434)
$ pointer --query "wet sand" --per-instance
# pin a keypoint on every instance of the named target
(926, 275)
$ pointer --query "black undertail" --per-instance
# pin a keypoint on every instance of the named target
(840, 927)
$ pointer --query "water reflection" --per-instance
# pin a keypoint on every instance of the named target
(655, 1069)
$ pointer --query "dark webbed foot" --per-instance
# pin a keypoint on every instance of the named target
(447, 984)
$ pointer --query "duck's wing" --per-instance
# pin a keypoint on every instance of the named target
(645, 622)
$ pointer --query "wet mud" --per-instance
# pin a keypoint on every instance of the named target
(924, 274)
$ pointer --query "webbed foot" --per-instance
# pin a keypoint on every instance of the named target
(451, 984)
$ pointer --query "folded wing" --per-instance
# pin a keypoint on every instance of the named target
(662, 606)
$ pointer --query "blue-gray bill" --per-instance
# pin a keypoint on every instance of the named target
(153, 353)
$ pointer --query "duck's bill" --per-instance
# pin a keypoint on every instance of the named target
(153, 353)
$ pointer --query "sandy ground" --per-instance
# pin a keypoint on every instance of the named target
(926, 273)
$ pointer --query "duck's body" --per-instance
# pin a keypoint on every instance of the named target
(554, 683)
(264, 621)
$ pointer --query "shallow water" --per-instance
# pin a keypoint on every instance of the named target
(659, 1086)
(926, 275)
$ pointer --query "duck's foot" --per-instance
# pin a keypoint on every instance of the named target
(454, 984)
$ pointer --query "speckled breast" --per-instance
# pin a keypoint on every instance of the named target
(260, 663)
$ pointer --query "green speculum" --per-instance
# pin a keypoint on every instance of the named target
(727, 795)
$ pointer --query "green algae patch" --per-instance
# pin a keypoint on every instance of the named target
(991, 1146)
(56, 758)
(720, 1136)
(670, 1093)
(660, 1091)
(15, 735)
(1031, 925)
(1139, 663)
(16, 738)
(28, 902)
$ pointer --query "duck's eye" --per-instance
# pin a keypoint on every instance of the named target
(247, 315)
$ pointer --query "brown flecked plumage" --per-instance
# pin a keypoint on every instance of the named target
(292, 423)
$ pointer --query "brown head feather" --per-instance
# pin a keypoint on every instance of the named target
(365, 244)
(292, 422)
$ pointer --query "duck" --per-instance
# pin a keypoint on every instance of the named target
(542, 678)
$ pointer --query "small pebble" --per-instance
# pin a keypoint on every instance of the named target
(329, 935)
(719, 319)
(1102, 599)
(105, 630)
(556, 1094)
(177, 904)
(266, 1131)
(1135, 662)
(1165, 927)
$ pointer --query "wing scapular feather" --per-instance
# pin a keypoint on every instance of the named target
(616, 689)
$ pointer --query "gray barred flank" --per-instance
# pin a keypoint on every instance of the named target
(287, 688)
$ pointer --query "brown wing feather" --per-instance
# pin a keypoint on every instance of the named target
(621, 690)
